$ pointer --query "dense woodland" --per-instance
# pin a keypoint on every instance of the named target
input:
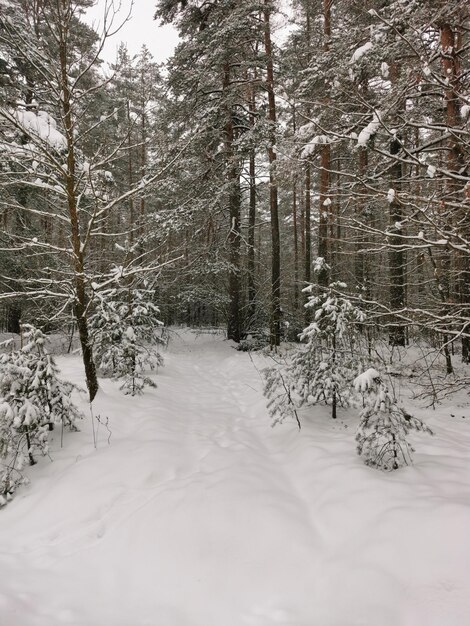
(283, 208)
(321, 145)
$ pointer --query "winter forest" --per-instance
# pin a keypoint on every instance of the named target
(235, 315)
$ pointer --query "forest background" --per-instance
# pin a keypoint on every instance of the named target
(225, 182)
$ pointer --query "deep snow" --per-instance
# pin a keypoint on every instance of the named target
(198, 513)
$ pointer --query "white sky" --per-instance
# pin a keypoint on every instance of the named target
(142, 28)
(139, 29)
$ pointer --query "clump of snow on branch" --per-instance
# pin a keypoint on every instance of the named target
(319, 264)
(370, 130)
(360, 52)
(42, 126)
(318, 140)
(366, 381)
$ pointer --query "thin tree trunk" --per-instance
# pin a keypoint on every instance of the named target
(234, 200)
(275, 335)
(325, 168)
(81, 299)
(307, 236)
(323, 252)
(307, 230)
(143, 158)
(396, 255)
(451, 41)
(359, 257)
(296, 245)
(295, 226)
(130, 173)
(252, 220)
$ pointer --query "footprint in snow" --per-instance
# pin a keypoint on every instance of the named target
(269, 617)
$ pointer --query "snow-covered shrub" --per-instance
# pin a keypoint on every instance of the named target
(254, 341)
(126, 333)
(384, 426)
(32, 400)
(322, 370)
(278, 388)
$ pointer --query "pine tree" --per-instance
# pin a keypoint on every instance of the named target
(126, 333)
(321, 371)
(384, 426)
(33, 399)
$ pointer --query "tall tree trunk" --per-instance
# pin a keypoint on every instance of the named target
(234, 201)
(275, 335)
(295, 225)
(81, 299)
(296, 245)
(451, 43)
(130, 172)
(325, 168)
(307, 213)
(143, 159)
(361, 207)
(308, 235)
(323, 252)
(252, 220)
(396, 255)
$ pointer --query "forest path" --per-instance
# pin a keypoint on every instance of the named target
(188, 509)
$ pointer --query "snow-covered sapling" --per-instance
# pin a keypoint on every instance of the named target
(322, 370)
(279, 390)
(126, 332)
(32, 400)
(384, 426)
(325, 368)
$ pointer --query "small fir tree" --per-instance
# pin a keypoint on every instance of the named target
(384, 426)
(32, 400)
(126, 334)
(321, 371)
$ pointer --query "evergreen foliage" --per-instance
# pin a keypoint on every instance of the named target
(323, 369)
(384, 426)
(126, 331)
(33, 399)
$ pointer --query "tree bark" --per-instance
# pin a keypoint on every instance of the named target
(81, 300)
(325, 168)
(252, 221)
(396, 255)
(359, 257)
(234, 201)
(275, 334)
(450, 45)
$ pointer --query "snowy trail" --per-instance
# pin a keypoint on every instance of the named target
(187, 511)
(200, 514)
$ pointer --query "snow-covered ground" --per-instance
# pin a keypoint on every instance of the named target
(198, 513)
